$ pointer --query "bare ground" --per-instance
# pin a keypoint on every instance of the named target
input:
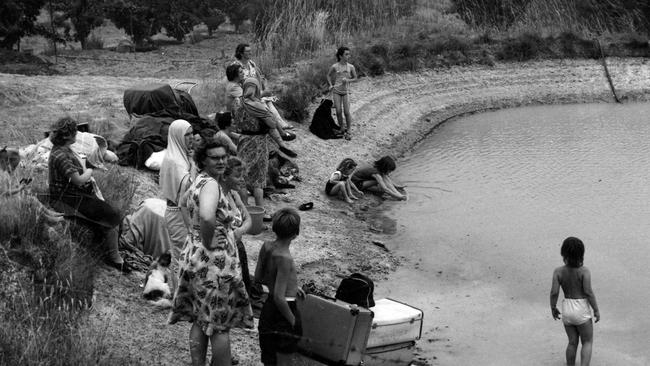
(391, 114)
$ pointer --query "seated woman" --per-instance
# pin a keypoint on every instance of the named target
(375, 178)
(234, 91)
(72, 190)
(226, 135)
(243, 55)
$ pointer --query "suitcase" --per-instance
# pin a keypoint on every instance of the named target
(333, 331)
(401, 354)
(394, 323)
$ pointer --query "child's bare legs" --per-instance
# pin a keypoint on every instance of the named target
(586, 331)
(572, 347)
(198, 345)
(221, 355)
(348, 189)
(339, 110)
(345, 100)
(340, 189)
(583, 333)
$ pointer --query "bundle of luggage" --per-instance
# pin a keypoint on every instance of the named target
(155, 107)
(353, 329)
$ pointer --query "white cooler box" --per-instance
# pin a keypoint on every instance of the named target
(401, 354)
(394, 323)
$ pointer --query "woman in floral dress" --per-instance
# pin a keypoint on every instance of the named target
(211, 293)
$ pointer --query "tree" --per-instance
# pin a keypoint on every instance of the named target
(138, 18)
(85, 15)
(17, 19)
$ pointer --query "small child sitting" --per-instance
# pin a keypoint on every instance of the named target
(160, 282)
(339, 182)
(280, 327)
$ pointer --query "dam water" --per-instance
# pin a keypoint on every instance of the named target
(491, 198)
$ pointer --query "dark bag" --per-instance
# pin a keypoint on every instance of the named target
(356, 289)
(322, 124)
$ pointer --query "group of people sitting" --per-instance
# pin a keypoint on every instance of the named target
(205, 180)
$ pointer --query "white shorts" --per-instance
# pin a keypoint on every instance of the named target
(575, 311)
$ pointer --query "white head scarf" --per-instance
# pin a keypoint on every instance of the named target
(176, 163)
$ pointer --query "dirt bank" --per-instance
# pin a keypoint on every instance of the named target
(391, 114)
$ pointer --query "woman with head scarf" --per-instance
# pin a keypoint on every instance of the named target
(254, 122)
(175, 177)
(72, 188)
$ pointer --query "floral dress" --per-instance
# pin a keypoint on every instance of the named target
(211, 291)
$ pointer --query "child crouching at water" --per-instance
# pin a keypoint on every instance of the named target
(280, 326)
(339, 184)
(575, 280)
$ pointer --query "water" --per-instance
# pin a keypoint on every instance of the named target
(492, 196)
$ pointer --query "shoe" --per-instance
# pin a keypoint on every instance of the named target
(288, 152)
(306, 206)
(122, 267)
(288, 136)
(267, 218)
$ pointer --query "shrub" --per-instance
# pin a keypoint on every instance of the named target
(523, 48)
(369, 63)
(407, 57)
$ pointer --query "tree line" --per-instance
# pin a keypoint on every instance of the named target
(140, 19)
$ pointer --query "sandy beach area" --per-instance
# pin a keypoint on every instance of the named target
(391, 113)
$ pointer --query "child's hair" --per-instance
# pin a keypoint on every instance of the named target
(165, 259)
(286, 223)
(573, 251)
(232, 71)
(385, 165)
(346, 164)
(340, 52)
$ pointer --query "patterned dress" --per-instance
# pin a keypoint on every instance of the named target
(252, 149)
(211, 291)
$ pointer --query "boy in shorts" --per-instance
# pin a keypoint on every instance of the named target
(280, 327)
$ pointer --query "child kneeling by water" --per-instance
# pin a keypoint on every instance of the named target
(280, 326)
(575, 280)
(339, 184)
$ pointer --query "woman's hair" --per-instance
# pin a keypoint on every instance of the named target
(202, 152)
(232, 165)
(385, 165)
(232, 71)
(286, 223)
(62, 130)
(340, 52)
(346, 164)
(224, 120)
(239, 51)
(573, 251)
